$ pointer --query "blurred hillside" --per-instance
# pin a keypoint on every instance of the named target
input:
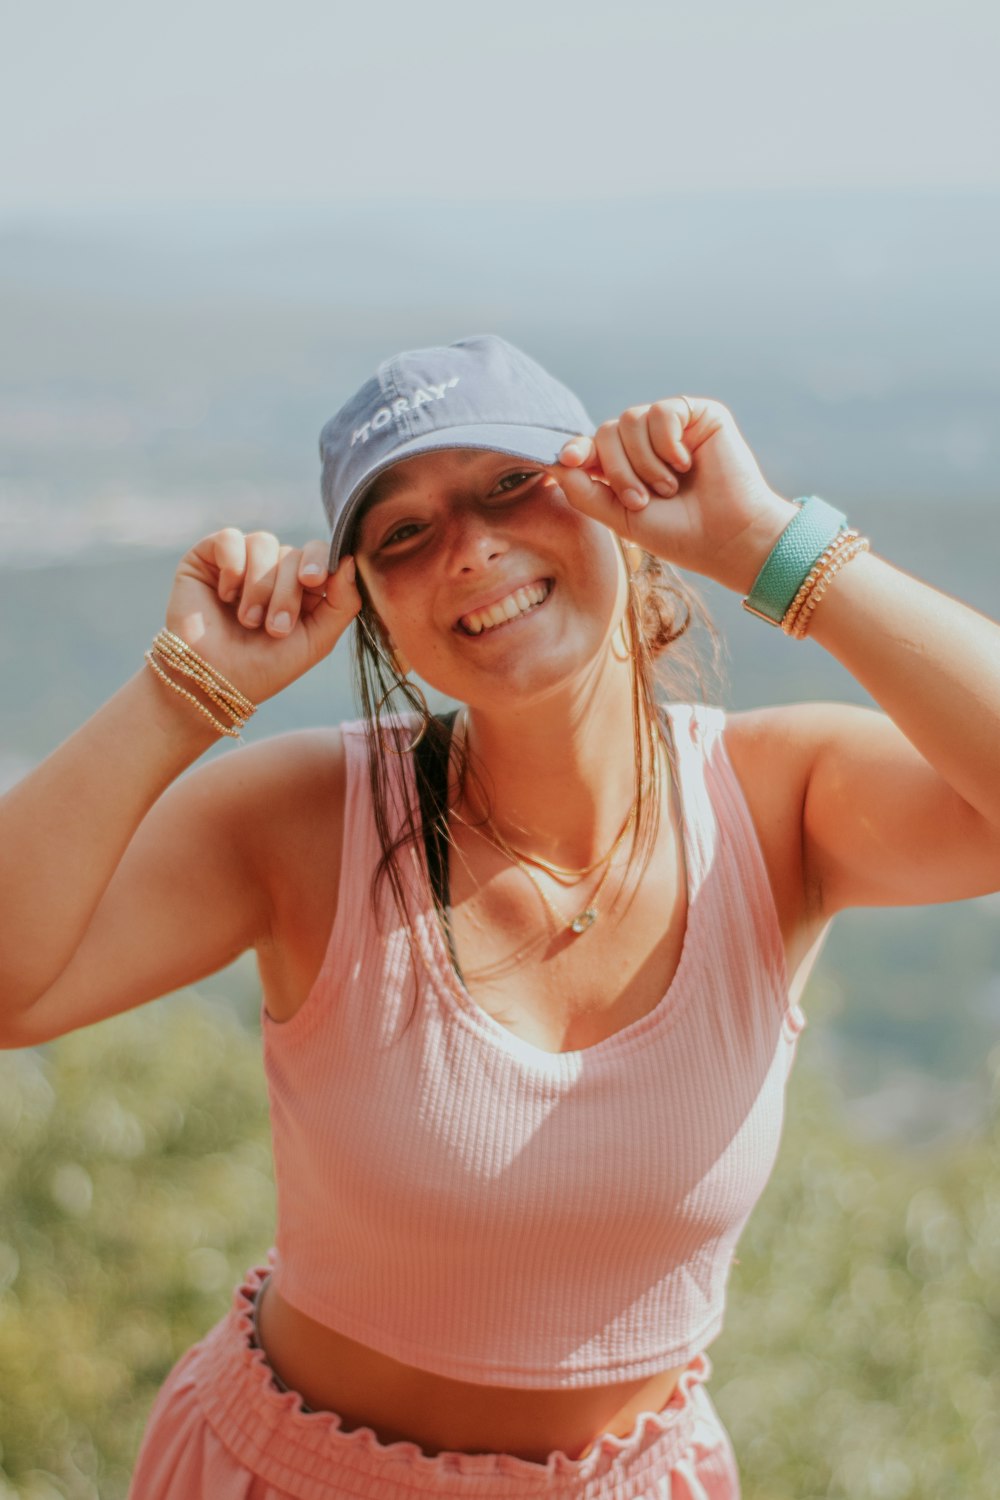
(859, 1358)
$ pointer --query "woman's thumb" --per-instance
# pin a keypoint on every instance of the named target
(335, 612)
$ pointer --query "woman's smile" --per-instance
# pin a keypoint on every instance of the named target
(515, 605)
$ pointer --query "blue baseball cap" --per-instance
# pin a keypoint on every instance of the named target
(480, 392)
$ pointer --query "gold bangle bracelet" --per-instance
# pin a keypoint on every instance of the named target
(801, 628)
(811, 579)
(840, 542)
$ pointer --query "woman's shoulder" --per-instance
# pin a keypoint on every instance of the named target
(292, 788)
(293, 791)
(769, 750)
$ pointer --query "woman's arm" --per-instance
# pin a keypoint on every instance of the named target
(100, 855)
(931, 662)
(66, 826)
(882, 825)
(897, 810)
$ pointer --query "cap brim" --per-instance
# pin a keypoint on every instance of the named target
(542, 445)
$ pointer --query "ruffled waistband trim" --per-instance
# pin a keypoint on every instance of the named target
(308, 1454)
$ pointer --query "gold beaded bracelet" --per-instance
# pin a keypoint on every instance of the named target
(235, 711)
(799, 627)
(173, 648)
(178, 655)
(842, 540)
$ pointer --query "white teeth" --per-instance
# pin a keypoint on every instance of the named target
(515, 604)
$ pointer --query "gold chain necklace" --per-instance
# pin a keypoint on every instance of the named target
(562, 873)
(583, 919)
(586, 918)
(559, 872)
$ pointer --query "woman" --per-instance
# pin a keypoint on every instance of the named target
(531, 973)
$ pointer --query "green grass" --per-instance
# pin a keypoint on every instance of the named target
(861, 1354)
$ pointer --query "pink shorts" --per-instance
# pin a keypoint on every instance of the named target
(221, 1429)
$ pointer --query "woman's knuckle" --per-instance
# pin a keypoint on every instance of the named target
(263, 539)
(622, 478)
(662, 418)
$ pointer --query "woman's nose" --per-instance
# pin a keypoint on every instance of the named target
(475, 543)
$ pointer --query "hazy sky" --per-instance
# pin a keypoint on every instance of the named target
(118, 103)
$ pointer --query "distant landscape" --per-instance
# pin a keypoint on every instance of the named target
(160, 379)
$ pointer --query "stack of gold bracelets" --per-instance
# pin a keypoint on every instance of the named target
(801, 565)
(168, 650)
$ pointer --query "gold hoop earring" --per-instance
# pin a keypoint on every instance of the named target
(411, 687)
(625, 654)
(632, 553)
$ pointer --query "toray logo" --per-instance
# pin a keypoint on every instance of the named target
(385, 414)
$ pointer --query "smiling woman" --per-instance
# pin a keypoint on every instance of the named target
(399, 524)
(531, 971)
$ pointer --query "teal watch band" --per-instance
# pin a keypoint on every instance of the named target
(787, 565)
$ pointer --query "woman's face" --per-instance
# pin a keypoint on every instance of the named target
(447, 540)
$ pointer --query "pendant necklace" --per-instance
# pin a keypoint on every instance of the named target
(585, 918)
(588, 916)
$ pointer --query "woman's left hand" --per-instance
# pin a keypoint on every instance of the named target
(682, 484)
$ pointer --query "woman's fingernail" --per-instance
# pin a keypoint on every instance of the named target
(281, 621)
(255, 615)
(666, 490)
(312, 570)
(634, 497)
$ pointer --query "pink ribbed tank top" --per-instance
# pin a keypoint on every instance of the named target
(464, 1201)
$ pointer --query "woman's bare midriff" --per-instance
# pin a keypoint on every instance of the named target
(401, 1403)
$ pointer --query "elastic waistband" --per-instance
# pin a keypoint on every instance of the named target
(309, 1456)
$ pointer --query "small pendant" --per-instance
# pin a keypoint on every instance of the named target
(586, 919)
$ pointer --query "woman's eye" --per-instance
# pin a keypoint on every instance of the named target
(401, 533)
(514, 481)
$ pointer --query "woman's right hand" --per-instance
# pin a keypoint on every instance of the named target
(231, 591)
